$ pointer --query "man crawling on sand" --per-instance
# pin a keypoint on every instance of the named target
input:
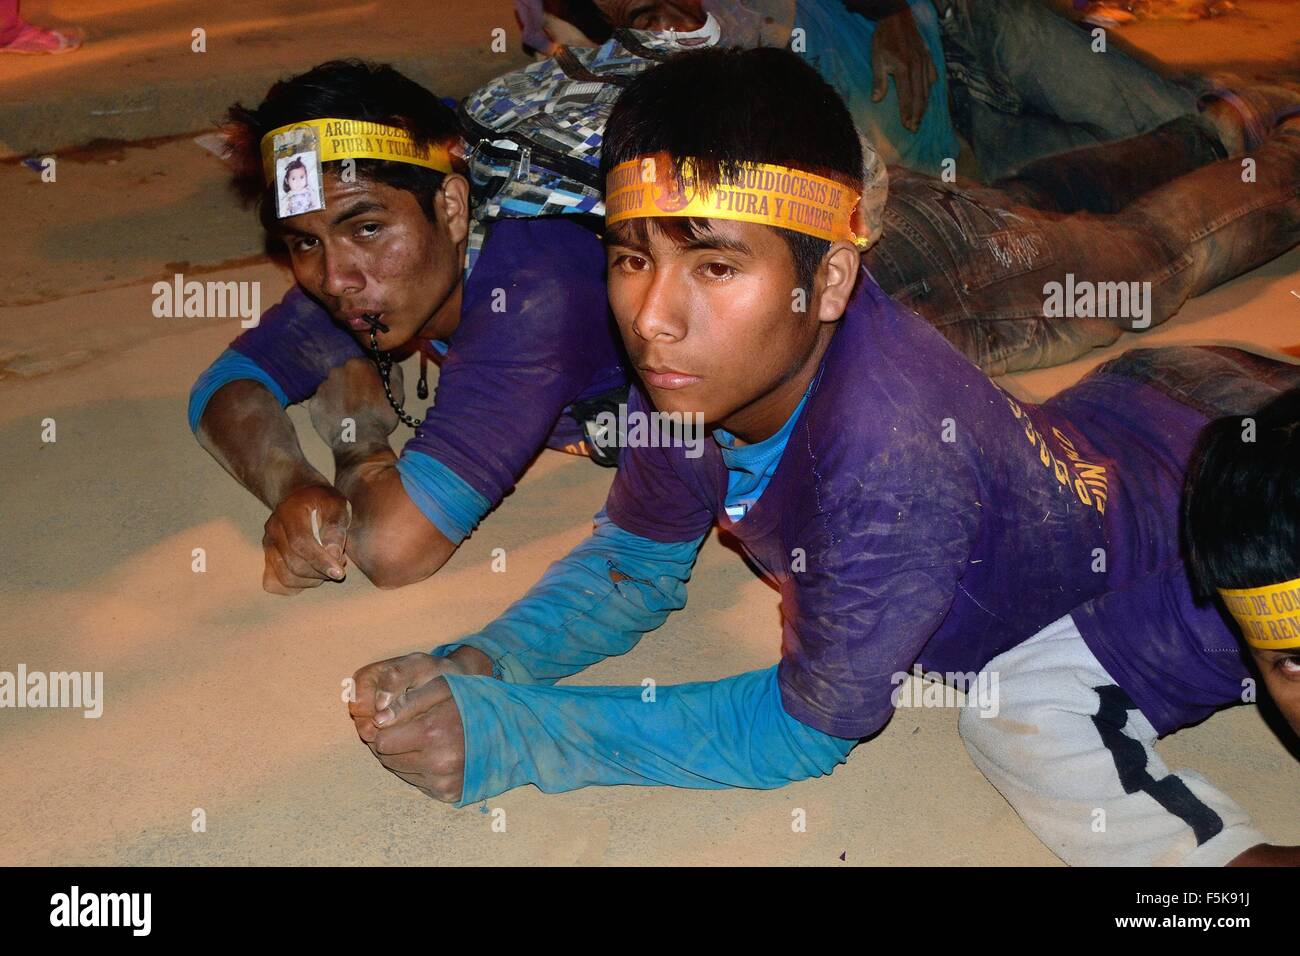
(515, 313)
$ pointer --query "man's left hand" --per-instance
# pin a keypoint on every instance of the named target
(419, 737)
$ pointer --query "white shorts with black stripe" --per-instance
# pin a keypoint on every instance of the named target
(1075, 758)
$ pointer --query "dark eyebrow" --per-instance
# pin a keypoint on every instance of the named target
(721, 243)
(620, 236)
(358, 208)
(1277, 653)
(707, 239)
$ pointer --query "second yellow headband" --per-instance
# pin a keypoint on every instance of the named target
(762, 193)
(1269, 617)
(336, 139)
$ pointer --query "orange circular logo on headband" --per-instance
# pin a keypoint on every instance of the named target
(760, 193)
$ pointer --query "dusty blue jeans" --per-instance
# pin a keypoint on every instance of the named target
(977, 261)
(1026, 83)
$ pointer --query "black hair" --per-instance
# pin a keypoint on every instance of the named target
(724, 108)
(1241, 508)
(296, 164)
(347, 89)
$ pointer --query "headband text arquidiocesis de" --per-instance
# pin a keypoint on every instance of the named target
(358, 139)
(762, 193)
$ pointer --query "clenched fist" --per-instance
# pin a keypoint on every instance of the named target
(305, 539)
(406, 715)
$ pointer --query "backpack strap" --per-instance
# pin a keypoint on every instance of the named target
(575, 69)
(628, 40)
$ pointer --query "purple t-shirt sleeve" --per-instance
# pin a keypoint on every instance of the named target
(297, 344)
(884, 555)
(649, 497)
(535, 329)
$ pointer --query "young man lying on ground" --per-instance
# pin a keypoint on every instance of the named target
(383, 269)
(1016, 278)
(1083, 701)
(858, 46)
(1027, 82)
(907, 509)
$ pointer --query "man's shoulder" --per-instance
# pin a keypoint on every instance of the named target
(884, 416)
(553, 255)
(889, 380)
(540, 283)
(294, 320)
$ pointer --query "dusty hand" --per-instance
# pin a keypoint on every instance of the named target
(305, 540)
(898, 50)
(406, 715)
(377, 685)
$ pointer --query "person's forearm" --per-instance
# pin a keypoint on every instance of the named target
(247, 431)
(727, 733)
(388, 538)
(592, 604)
(380, 537)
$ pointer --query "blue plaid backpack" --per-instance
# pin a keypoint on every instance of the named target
(533, 137)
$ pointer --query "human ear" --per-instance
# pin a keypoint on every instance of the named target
(836, 277)
(452, 207)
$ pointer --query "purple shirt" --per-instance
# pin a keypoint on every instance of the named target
(535, 335)
(297, 343)
(1178, 661)
(920, 514)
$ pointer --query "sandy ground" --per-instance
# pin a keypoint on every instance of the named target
(223, 699)
(139, 74)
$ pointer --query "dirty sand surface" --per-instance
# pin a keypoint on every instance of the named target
(222, 698)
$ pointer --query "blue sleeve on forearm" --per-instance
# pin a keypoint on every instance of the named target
(727, 733)
(442, 496)
(577, 614)
(229, 367)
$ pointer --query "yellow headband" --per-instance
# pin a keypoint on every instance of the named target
(769, 195)
(1269, 617)
(359, 139)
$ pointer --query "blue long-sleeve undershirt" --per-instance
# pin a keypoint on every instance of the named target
(578, 613)
(728, 733)
(229, 366)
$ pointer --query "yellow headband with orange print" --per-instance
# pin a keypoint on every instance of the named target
(1269, 617)
(337, 139)
(648, 187)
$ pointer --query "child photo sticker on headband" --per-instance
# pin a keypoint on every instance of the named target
(297, 180)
